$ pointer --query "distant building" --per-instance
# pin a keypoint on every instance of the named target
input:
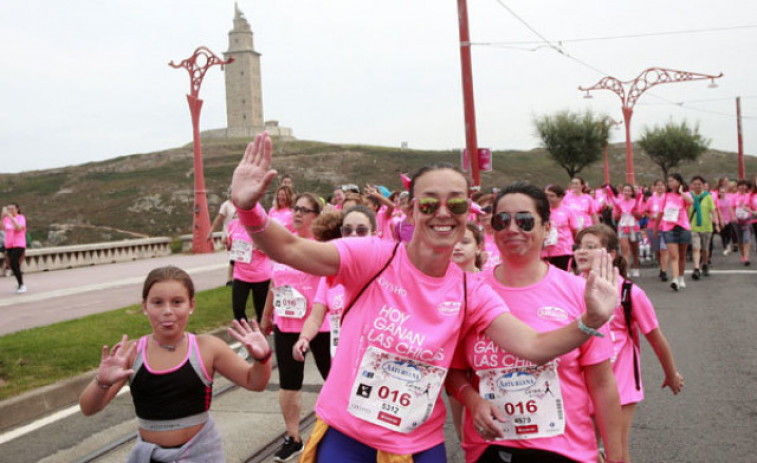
(244, 94)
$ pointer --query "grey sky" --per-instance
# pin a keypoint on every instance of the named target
(88, 80)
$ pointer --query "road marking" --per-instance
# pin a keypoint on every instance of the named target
(728, 272)
(61, 414)
(21, 299)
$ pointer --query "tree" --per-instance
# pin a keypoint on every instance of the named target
(672, 144)
(573, 140)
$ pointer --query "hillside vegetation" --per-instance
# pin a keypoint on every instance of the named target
(152, 194)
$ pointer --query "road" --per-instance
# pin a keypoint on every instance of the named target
(711, 326)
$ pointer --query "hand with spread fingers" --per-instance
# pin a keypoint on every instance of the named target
(252, 176)
(250, 336)
(115, 364)
(601, 294)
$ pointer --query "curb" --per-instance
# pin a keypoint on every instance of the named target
(35, 404)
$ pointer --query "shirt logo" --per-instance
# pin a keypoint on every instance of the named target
(552, 313)
(391, 287)
(449, 308)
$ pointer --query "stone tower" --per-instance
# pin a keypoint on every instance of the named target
(244, 96)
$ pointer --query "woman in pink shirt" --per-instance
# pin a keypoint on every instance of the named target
(281, 210)
(408, 305)
(624, 330)
(252, 272)
(14, 225)
(517, 410)
(742, 205)
(558, 245)
(725, 209)
(484, 219)
(652, 208)
(628, 209)
(581, 203)
(673, 221)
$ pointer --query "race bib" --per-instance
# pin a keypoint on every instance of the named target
(670, 214)
(580, 222)
(334, 339)
(241, 251)
(551, 238)
(288, 302)
(395, 392)
(742, 214)
(627, 220)
(530, 398)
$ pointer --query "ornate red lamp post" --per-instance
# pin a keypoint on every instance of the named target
(611, 123)
(197, 65)
(647, 79)
(740, 138)
(471, 142)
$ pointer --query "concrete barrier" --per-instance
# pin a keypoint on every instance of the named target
(186, 242)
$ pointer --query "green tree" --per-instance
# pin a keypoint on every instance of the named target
(573, 140)
(670, 145)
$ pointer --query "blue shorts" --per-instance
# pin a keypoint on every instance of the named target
(336, 446)
(678, 235)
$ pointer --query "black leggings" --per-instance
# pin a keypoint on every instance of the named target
(502, 454)
(240, 291)
(14, 256)
(292, 372)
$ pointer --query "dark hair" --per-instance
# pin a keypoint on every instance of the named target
(478, 235)
(288, 193)
(18, 208)
(556, 189)
(366, 212)
(315, 203)
(610, 241)
(633, 190)
(357, 197)
(485, 198)
(327, 226)
(659, 180)
(530, 190)
(580, 179)
(698, 177)
(436, 166)
(165, 274)
(679, 179)
(739, 183)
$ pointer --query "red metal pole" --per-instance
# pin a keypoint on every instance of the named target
(741, 141)
(627, 113)
(200, 215)
(607, 165)
(470, 113)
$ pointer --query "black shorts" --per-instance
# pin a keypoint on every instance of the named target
(291, 372)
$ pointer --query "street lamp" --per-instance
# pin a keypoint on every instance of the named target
(647, 79)
(197, 65)
(610, 123)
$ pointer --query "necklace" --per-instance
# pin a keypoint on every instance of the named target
(168, 347)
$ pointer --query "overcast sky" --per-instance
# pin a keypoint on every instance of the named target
(87, 80)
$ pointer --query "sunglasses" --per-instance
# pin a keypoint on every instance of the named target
(524, 220)
(360, 230)
(429, 206)
(303, 210)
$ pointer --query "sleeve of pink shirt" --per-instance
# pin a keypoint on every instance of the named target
(643, 311)
(321, 294)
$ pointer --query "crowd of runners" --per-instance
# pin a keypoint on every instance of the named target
(517, 303)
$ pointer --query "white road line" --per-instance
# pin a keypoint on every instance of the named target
(95, 287)
(728, 272)
(61, 414)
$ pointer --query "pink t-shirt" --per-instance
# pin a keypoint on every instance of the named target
(675, 201)
(492, 253)
(15, 238)
(403, 312)
(582, 206)
(724, 206)
(555, 301)
(564, 221)
(259, 267)
(330, 296)
(383, 225)
(626, 210)
(643, 317)
(304, 283)
(653, 206)
(283, 217)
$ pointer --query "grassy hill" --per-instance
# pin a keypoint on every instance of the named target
(152, 194)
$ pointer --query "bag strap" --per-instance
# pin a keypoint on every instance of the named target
(627, 303)
(391, 258)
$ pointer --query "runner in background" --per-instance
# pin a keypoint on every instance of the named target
(624, 330)
(252, 272)
(703, 215)
(653, 207)
(558, 246)
(628, 209)
(14, 224)
(383, 210)
(365, 410)
(742, 210)
(581, 203)
(281, 209)
(484, 218)
(673, 221)
(226, 213)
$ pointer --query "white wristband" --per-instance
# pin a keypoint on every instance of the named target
(587, 330)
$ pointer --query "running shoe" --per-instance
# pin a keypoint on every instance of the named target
(695, 274)
(706, 270)
(726, 251)
(747, 263)
(21, 289)
(674, 285)
(289, 449)
(681, 283)
(634, 272)
(8, 272)
(663, 276)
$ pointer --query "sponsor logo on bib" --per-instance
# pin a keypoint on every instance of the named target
(402, 370)
(449, 308)
(552, 313)
(516, 381)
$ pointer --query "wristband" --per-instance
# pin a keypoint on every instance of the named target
(264, 359)
(460, 390)
(253, 218)
(587, 330)
(101, 385)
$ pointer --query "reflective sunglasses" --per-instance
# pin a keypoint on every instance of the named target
(524, 220)
(304, 210)
(429, 206)
(361, 230)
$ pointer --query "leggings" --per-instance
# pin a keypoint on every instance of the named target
(14, 256)
(340, 447)
(240, 291)
(503, 454)
(292, 372)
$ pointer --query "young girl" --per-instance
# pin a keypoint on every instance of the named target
(170, 374)
(468, 254)
(673, 221)
(625, 364)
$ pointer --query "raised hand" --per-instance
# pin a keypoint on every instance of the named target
(252, 176)
(601, 294)
(114, 364)
(250, 336)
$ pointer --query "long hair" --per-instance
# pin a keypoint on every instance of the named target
(610, 241)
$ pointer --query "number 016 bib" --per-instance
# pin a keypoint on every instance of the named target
(530, 397)
(395, 392)
(288, 302)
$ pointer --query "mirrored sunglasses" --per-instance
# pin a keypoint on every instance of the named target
(524, 220)
(429, 206)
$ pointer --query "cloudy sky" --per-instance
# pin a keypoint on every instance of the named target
(87, 80)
